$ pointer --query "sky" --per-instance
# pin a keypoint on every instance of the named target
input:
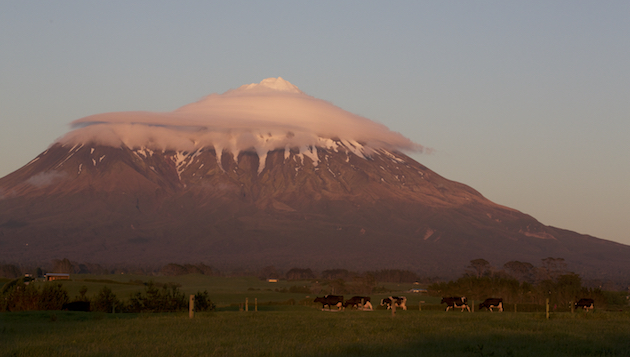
(526, 102)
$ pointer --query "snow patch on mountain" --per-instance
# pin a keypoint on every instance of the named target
(32, 161)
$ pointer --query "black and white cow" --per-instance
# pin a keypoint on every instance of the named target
(330, 300)
(399, 301)
(455, 301)
(492, 303)
(355, 301)
(586, 304)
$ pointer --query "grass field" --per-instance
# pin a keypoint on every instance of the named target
(280, 329)
(224, 292)
(307, 331)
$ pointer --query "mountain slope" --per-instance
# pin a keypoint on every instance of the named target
(341, 204)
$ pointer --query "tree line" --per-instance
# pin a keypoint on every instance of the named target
(12, 271)
(23, 295)
(523, 283)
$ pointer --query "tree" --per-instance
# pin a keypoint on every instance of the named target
(205, 269)
(173, 269)
(154, 299)
(479, 267)
(300, 274)
(62, 266)
(332, 274)
(106, 301)
(82, 294)
(203, 302)
(16, 295)
(9, 271)
(552, 268)
(568, 287)
(521, 271)
(52, 297)
(337, 286)
(269, 272)
(368, 282)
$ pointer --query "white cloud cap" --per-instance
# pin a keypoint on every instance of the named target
(272, 114)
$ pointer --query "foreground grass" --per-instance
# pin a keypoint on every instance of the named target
(304, 331)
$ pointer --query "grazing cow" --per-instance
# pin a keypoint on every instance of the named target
(77, 306)
(355, 301)
(492, 303)
(330, 300)
(399, 301)
(586, 304)
(455, 301)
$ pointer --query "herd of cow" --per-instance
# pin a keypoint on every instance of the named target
(460, 302)
(360, 302)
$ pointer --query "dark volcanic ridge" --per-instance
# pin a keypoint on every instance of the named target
(339, 205)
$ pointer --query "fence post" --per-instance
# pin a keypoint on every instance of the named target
(514, 307)
(255, 304)
(572, 306)
(473, 309)
(246, 304)
(191, 306)
(547, 308)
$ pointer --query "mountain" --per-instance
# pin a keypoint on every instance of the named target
(266, 188)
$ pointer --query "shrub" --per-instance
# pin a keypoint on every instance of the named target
(9, 271)
(168, 298)
(52, 297)
(300, 274)
(17, 295)
(106, 301)
(203, 302)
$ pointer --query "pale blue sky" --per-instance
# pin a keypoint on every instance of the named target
(527, 102)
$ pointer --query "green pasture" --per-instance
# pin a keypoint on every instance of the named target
(225, 292)
(308, 331)
(290, 324)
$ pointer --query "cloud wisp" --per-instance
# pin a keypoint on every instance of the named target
(269, 115)
(46, 178)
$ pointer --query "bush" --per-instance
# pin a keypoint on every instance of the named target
(203, 302)
(9, 271)
(168, 298)
(17, 295)
(52, 297)
(106, 301)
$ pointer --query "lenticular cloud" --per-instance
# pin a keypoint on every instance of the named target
(269, 115)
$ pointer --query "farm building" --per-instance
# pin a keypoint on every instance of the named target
(56, 276)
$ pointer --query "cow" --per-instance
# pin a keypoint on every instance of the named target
(586, 304)
(355, 301)
(398, 301)
(455, 301)
(491, 303)
(330, 300)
